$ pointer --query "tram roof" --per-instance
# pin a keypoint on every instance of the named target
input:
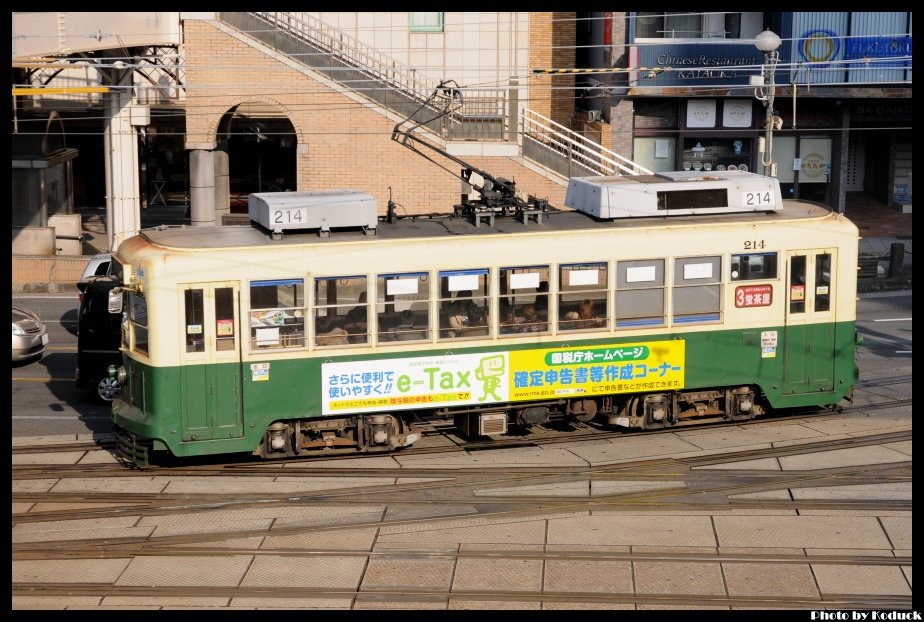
(447, 226)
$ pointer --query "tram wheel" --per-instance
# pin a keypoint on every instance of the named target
(584, 410)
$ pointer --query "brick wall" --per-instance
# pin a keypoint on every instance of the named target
(551, 46)
(47, 274)
(621, 121)
(342, 144)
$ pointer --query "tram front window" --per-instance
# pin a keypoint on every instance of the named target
(138, 318)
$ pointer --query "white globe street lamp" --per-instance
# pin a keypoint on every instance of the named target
(768, 42)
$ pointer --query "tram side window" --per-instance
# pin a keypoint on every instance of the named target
(797, 284)
(224, 319)
(341, 310)
(697, 289)
(403, 306)
(524, 300)
(277, 316)
(639, 293)
(138, 318)
(823, 282)
(753, 267)
(195, 320)
(463, 304)
(582, 297)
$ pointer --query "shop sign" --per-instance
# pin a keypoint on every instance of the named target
(814, 166)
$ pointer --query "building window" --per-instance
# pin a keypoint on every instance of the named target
(426, 22)
(707, 154)
(668, 25)
(691, 25)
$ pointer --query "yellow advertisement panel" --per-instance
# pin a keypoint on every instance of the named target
(501, 376)
(623, 368)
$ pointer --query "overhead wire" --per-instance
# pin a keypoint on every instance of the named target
(556, 91)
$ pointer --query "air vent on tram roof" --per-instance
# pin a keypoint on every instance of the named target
(320, 210)
(674, 193)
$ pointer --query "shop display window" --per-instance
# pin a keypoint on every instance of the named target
(717, 154)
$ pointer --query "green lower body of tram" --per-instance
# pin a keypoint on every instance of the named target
(283, 406)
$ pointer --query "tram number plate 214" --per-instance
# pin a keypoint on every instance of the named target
(758, 199)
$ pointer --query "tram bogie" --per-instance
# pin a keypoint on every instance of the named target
(372, 433)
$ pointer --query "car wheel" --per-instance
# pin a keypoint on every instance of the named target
(108, 389)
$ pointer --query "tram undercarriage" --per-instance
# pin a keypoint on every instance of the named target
(368, 433)
(387, 432)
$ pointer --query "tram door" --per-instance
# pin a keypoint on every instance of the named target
(211, 357)
(808, 343)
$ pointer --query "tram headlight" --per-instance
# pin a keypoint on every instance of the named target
(118, 373)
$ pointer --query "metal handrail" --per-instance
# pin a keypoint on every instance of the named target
(482, 115)
(349, 50)
(577, 147)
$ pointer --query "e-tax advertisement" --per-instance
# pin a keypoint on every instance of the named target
(501, 376)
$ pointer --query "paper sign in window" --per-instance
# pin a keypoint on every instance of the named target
(397, 287)
(224, 328)
(267, 336)
(463, 282)
(642, 274)
(697, 271)
(528, 279)
(583, 277)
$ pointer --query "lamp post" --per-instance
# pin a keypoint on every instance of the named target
(768, 42)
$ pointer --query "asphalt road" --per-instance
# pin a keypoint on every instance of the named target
(45, 400)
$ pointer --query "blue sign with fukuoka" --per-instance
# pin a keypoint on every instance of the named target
(860, 48)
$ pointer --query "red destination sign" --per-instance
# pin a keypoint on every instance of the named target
(753, 296)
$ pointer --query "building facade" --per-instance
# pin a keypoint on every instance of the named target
(683, 96)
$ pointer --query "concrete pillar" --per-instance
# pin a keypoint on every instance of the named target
(222, 185)
(202, 188)
(123, 200)
(622, 124)
(839, 151)
(513, 112)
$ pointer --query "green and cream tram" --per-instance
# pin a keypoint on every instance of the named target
(656, 301)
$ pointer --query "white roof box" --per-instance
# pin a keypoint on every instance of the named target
(321, 209)
(673, 194)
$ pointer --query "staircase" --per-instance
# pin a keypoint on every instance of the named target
(485, 114)
(569, 153)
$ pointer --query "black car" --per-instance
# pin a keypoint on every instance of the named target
(98, 337)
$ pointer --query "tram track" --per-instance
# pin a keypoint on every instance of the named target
(418, 498)
(578, 432)
(680, 483)
(407, 596)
